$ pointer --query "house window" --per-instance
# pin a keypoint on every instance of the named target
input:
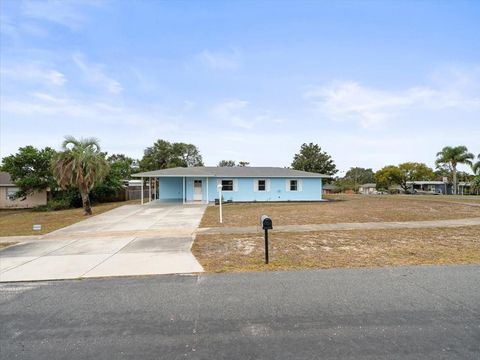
(262, 185)
(11, 191)
(293, 185)
(227, 185)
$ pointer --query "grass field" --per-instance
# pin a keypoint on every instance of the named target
(19, 222)
(347, 208)
(338, 249)
(342, 248)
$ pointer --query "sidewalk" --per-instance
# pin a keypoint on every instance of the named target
(344, 226)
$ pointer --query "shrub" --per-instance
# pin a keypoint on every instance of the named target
(53, 205)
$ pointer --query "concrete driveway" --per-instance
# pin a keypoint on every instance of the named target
(129, 240)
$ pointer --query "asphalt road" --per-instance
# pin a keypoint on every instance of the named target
(393, 313)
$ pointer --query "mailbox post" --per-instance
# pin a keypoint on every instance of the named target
(266, 224)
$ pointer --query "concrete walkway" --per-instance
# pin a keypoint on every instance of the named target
(129, 240)
(344, 226)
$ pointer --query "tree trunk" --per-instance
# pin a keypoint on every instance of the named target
(87, 209)
(454, 173)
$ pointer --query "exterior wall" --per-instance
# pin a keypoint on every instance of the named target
(170, 189)
(244, 190)
(366, 190)
(310, 189)
(189, 187)
(36, 199)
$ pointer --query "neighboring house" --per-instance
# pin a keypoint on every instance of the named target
(367, 189)
(464, 188)
(329, 189)
(242, 184)
(8, 190)
(434, 187)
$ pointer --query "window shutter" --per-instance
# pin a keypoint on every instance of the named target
(235, 184)
(287, 185)
(300, 185)
(255, 185)
(267, 185)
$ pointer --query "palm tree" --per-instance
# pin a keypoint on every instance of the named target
(450, 157)
(80, 164)
(476, 166)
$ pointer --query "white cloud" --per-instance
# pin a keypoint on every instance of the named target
(232, 112)
(95, 74)
(50, 107)
(240, 114)
(220, 61)
(67, 13)
(349, 100)
(33, 72)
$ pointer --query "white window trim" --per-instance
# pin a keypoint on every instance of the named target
(299, 185)
(256, 185)
(234, 185)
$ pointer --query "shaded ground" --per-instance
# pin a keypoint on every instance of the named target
(20, 222)
(335, 249)
(345, 209)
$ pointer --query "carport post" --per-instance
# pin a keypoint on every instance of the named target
(149, 190)
(141, 192)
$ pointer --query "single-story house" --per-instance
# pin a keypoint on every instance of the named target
(367, 189)
(8, 190)
(239, 184)
(434, 187)
(329, 189)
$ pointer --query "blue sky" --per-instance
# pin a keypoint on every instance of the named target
(374, 83)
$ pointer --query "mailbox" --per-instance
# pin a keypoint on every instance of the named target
(266, 222)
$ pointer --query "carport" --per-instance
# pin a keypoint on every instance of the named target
(184, 189)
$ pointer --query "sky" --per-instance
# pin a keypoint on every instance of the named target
(373, 83)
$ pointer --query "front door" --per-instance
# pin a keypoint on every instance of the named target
(197, 190)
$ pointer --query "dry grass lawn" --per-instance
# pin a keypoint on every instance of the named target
(350, 208)
(20, 222)
(339, 249)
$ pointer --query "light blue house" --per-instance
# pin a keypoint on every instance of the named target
(239, 184)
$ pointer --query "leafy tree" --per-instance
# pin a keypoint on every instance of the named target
(164, 154)
(476, 166)
(81, 164)
(475, 185)
(412, 171)
(357, 176)
(388, 176)
(402, 174)
(360, 175)
(311, 158)
(226, 163)
(120, 168)
(450, 157)
(30, 170)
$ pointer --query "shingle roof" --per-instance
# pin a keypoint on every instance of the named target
(237, 171)
(5, 179)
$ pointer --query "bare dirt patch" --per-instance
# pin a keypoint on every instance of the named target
(339, 249)
(343, 209)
